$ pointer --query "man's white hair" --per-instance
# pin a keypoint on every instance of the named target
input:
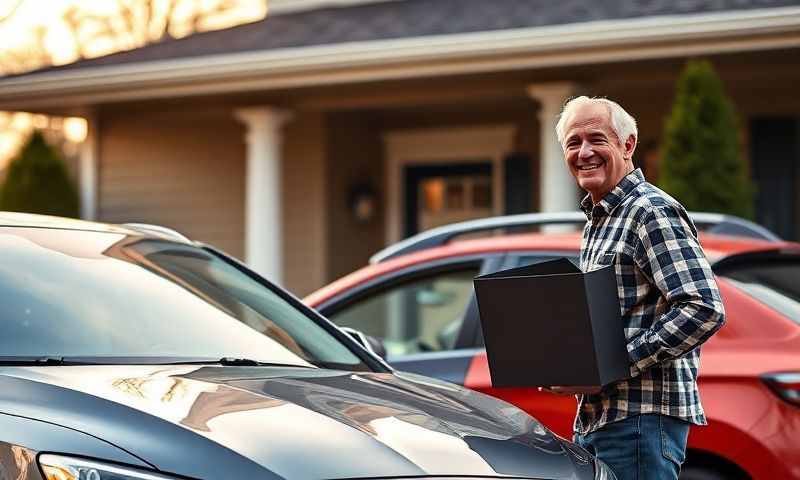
(622, 122)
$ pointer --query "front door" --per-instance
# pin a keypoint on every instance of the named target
(445, 193)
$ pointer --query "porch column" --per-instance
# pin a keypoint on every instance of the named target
(87, 176)
(558, 189)
(263, 245)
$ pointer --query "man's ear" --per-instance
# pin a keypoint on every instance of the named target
(630, 146)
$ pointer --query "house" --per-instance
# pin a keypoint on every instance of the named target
(306, 141)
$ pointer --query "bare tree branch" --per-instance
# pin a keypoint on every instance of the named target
(166, 29)
(29, 55)
(10, 13)
(133, 24)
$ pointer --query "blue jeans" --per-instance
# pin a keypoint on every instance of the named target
(641, 447)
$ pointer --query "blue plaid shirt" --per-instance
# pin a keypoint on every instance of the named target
(669, 301)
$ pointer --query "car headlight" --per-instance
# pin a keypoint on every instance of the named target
(57, 467)
(603, 471)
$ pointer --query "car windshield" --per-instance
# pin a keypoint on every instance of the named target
(776, 284)
(107, 295)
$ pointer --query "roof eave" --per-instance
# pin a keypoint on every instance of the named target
(593, 42)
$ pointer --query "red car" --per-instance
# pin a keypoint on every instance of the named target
(417, 297)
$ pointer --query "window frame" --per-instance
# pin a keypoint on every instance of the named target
(373, 362)
(728, 266)
(389, 280)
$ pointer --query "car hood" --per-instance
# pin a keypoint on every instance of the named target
(298, 423)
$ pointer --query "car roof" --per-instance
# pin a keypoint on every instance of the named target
(716, 247)
(714, 223)
(31, 220)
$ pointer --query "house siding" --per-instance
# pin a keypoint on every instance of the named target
(355, 157)
(182, 171)
(305, 209)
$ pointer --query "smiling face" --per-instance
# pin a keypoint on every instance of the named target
(595, 156)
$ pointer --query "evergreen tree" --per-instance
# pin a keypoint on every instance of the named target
(38, 182)
(701, 163)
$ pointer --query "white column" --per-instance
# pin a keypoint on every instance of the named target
(263, 244)
(89, 158)
(558, 189)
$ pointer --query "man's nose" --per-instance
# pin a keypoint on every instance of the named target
(585, 151)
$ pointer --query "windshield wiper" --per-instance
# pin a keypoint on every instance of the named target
(235, 362)
(32, 361)
(49, 360)
(43, 361)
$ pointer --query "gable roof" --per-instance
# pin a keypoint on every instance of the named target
(407, 39)
(407, 19)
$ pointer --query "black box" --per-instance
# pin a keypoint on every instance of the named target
(549, 324)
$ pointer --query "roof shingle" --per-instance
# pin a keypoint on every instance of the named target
(410, 18)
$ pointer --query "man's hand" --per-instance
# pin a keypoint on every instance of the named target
(570, 390)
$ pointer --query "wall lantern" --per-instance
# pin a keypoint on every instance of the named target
(362, 201)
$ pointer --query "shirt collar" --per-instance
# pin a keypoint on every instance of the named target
(613, 198)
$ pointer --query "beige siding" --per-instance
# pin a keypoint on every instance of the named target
(305, 211)
(355, 157)
(182, 171)
(186, 171)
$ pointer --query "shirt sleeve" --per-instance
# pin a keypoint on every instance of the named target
(669, 254)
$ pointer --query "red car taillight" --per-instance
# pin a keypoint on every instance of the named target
(786, 385)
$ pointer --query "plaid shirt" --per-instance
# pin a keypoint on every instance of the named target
(669, 301)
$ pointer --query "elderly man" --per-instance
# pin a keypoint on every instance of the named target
(669, 300)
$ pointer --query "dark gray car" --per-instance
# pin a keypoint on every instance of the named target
(128, 354)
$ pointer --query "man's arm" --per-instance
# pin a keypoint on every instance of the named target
(668, 253)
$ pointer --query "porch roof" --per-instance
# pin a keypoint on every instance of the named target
(408, 39)
(407, 19)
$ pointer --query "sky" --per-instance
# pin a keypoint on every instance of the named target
(48, 13)
(32, 13)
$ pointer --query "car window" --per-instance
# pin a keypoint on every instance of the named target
(422, 314)
(91, 294)
(776, 284)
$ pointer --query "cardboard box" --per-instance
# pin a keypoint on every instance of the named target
(549, 324)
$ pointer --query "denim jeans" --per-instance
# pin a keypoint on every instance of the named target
(639, 448)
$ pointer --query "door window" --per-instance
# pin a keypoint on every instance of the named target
(444, 200)
(772, 283)
(423, 314)
(438, 195)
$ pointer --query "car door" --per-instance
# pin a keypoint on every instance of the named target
(419, 313)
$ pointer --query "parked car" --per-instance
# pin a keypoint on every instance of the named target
(133, 353)
(417, 297)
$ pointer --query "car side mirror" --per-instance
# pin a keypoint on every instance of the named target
(374, 345)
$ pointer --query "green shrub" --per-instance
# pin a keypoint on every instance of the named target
(701, 163)
(38, 182)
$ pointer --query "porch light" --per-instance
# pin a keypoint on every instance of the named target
(362, 201)
(75, 129)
